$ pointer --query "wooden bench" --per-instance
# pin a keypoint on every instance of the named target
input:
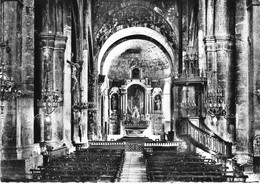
(186, 177)
(232, 177)
(87, 165)
(82, 178)
(36, 174)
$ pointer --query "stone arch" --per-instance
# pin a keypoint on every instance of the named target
(131, 33)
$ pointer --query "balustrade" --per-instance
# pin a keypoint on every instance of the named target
(205, 140)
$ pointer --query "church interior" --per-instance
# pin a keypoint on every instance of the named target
(130, 91)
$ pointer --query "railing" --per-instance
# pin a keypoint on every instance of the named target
(107, 144)
(160, 144)
(202, 139)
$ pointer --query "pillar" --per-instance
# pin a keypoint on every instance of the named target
(255, 63)
(248, 55)
(20, 152)
(210, 17)
(58, 77)
(47, 47)
(148, 101)
(12, 127)
(67, 77)
(124, 99)
(224, 62)
(201, 35)
(106, 107)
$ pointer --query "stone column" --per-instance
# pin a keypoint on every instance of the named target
(201, 35)
(255, 38)
(210, 17)
(67, 89)
(148, 101)
(210, 42)
(248, 56)
(47, 46)
(84, 95)
(58, 77)
(106, 115)
(11, 56)
(210, 59)
(225, 68)
(124, 96)
(17, 143)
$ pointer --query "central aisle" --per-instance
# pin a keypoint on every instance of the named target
(134, 169)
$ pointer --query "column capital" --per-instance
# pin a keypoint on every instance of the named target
(225, 42)
(46, 39)
(209, 44)
(209, 38)
(60, 41)
(223, 38)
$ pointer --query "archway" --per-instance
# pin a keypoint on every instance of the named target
(135, 33)
(140, 63)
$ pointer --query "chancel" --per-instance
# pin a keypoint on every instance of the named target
(129, 90)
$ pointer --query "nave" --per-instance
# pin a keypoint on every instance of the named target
(81, 75)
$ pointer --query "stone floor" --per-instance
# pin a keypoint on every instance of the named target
(134, 168)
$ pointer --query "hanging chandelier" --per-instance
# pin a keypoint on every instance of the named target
(77, 107)
(8, 91)
(215, 104)
(50, 99)
(80, 105)
(189, 106)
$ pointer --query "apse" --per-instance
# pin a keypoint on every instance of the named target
(146, 55)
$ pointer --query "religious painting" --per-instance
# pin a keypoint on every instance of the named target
(135, 100)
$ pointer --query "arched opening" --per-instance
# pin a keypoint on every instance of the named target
(138, 65)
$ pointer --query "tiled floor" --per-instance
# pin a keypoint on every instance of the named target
(134, 168)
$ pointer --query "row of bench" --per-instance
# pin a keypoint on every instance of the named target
(83, 166)
(175, 166)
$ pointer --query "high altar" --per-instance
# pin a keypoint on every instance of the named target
(135, 107)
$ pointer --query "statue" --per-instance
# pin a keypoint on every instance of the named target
(75, 83)
(135, 113)
(114, 102)
(157, 103)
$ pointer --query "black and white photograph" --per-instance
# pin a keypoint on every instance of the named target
(130, 91)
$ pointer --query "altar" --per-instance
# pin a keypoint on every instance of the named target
(135, 108)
